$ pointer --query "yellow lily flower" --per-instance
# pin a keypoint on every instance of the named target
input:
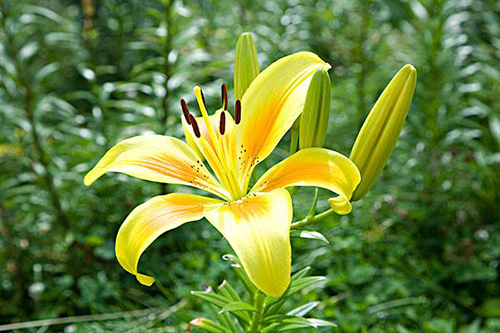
(255, 222)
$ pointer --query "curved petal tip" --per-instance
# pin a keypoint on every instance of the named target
(340, 205)
(145, 279)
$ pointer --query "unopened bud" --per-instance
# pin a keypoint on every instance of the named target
(378, 135)
(246, 66)
(314, 118)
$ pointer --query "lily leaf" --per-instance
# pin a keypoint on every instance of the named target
(303, 309)
(299, 284)
(270, 328)
(228, 291)
(309, 235)
(207, 325)
(303, 272)
(300, 323)
(238, 306)
(217, 300)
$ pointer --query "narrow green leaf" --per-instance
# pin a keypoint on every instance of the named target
(270, 328)
(238, 306)
(242, 275)
(208, 325)
(303, 272)
(298, 323)
(217, 300)
(321, 323)
(309, 235)
(274, 304)
(224, 319)
(228, 291)
(299, 284)
(303, 309)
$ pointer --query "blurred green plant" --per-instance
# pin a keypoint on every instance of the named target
(419, 253)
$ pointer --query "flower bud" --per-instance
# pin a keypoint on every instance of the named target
(314, 118)
(246, 66)
(380, 131)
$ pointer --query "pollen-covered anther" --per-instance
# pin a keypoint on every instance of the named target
(194, 124)
(224, 96)
(222, 125)
(237, 112)
(185, 111)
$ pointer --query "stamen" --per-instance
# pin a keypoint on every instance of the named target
(185, 111)
(222, 127)
(237, 112)
(199, 98)
(224, 96)
(202, 97)
(196, 129)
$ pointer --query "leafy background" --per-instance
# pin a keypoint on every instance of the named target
(420, 253)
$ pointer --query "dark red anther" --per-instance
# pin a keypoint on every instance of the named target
(222, 126)
(237, 112)
(185, 111)
(224, 96)
(196, 129)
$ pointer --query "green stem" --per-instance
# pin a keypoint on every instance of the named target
(312, 210)
(313, 219)
(257, 316)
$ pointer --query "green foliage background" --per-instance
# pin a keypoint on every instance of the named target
(420, 253)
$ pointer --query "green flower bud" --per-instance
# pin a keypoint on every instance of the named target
(314, 119)
(246, 66)
(378, 135)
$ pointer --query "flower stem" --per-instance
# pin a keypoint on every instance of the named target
(257, 316)
(312, 219)
(312, 210)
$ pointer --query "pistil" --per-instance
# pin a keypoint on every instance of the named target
(203, 109)
(224, 96)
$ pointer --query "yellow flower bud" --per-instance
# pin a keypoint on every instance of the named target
(246, 66)
(380, 131)
(314, 119)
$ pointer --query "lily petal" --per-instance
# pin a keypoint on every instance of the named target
(151, 219)
(157, 158)
(271, 104)
(340, 205)
(318, 167)
(258, 229)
